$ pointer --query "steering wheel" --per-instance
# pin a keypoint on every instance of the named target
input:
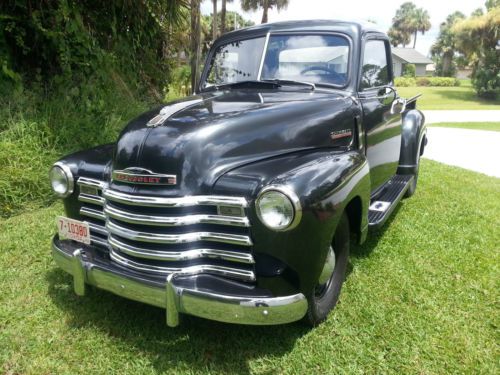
(331, 72)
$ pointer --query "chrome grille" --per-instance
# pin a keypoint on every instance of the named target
(161, 235)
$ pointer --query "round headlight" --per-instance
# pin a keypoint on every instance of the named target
(61, 180)
(278, 208)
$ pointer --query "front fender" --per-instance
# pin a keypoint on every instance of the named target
(325, 182)
(412, 135)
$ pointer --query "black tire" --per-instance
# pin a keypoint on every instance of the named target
(322, 299)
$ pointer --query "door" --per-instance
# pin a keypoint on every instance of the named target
(382, 128)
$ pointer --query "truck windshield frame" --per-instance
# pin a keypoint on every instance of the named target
(309, 57)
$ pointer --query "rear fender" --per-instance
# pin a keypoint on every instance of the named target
(413, 135)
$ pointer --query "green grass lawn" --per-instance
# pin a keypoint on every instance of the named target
(492, 126)
(421, 298)
(460, 97)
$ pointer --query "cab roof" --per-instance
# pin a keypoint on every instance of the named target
(353, 29)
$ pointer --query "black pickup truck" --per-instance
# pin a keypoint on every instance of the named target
(237, 203)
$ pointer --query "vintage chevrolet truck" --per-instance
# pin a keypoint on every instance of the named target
(237, 204)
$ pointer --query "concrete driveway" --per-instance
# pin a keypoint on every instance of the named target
(432, 117)
(477, 150)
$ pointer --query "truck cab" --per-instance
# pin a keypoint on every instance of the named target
(238, 203)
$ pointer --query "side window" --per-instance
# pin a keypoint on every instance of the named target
(374, 72)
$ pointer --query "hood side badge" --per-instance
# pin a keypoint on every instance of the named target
(141, 176)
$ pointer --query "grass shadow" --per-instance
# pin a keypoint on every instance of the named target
(197, 344)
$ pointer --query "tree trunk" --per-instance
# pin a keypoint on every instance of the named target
(214, 20)
(415, 39)
(195, 44)
(265, 6)
(447, 59)
(223, 17)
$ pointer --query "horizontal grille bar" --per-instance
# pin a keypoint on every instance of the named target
(90, 182)
(246, 275)
(99, 241)
(194, 200)
(90, 212)
(98, 229)
(92, 199)
(169, 221)
(234, 239)
(181, 255)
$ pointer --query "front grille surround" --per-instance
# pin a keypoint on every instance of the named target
(164, 235)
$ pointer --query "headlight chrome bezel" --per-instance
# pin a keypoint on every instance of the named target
(291, 196)
(70, 181)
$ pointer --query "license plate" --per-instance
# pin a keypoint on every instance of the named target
(75, 230)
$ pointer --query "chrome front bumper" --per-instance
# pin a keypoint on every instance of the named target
(175, 298)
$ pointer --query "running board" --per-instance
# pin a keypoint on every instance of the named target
(381, 208)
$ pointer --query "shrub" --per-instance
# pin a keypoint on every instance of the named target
(486, 76)
(404, 82)
(409, 70)
(444, 81)
(423, 81)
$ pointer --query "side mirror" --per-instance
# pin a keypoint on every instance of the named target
(387, 95)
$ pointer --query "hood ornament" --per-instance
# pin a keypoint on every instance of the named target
(141, 176)
(169, 111)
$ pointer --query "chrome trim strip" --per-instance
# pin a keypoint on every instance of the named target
(90, 212)
(192, 270)
(98, 229)
(171, 221)
(181, 255)
(92, 199)
(205, 304)
(193, 200)
(234, 239)
(263, 57)
(90, 182)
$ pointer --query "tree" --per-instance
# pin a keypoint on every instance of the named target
(400, 30)
(420, 22)
(490, 4)
(223, 16)
(195, 44)
(408, 21)
(445, 47)
(477, 38)
(214, 20)
(254, 5)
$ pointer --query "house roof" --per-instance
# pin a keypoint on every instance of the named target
(411, 56)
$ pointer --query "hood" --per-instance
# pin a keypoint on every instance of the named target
(202, 137)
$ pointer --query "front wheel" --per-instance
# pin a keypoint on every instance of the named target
(323, 298)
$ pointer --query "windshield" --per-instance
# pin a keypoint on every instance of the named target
(307, 58)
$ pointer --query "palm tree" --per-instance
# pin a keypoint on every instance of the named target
(254, 5)
(214, 20)
(446, 44)
(420, 21)
(195, 51)
(223, 15)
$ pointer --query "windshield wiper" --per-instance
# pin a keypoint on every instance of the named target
(290, 82)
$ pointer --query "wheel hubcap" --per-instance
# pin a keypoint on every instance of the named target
(327, 272)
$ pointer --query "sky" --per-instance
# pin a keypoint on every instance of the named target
(381, 12)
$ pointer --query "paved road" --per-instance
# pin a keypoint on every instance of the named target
(432, 117)
(477, 150)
